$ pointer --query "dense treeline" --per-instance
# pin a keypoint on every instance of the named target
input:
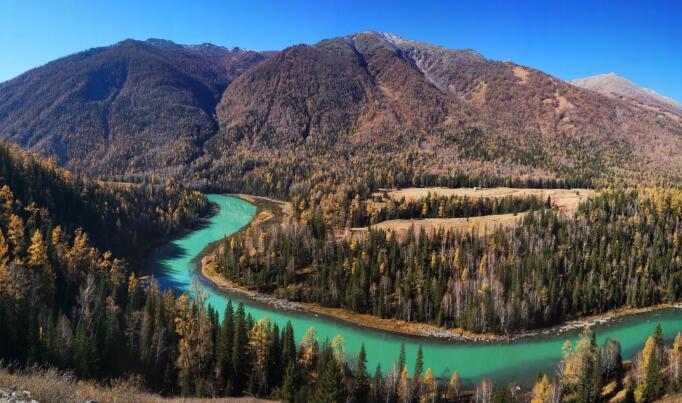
(364, 213)
(304, 177)
(65, 303)
(118, 217)
(53, 276)
(621, 249)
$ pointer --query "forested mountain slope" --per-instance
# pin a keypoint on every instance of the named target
(368, 102)
(131, 107)
(369, 108)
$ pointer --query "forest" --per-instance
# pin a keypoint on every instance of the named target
(620, 249)
(69, 302)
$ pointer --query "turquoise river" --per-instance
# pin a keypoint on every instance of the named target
(174, 266)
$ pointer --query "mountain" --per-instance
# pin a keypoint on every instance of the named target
(370, 108)
(381, 97)
(615, 86)
(134, 106)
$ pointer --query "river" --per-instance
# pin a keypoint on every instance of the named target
(518, 361)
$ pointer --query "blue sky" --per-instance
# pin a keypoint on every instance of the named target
(639, 40)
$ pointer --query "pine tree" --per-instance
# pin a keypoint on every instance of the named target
(377, 386)
(503, 395)
(240, 365)
(224, 349)
(275, 369)
(419, 364)
(291, 383)
(361, 377)
(288, 345)
(329, 388)
(401, 358)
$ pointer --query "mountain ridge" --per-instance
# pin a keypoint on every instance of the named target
(360, 104)
(616, 86)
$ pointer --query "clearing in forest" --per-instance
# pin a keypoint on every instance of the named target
(567, 200)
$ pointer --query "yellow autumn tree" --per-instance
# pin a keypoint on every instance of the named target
(38, 260)
(676, 362)
(259, 344)
(195, 347)
(309, 347)
(404, 387)
(453, 387)
(37, 251)
(5, 275)
(429, 388)
(337, 347)
(543, 391)
(15, 234)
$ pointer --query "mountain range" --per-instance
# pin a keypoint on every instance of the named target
(364, 104)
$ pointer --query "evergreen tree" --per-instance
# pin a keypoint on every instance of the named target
(503, 395)
(291, 383)
(288, 345)
(330, 388)
(224, 349)
(240, 365)
(377, 386)
(361, 377)
(401, 358)
(419, 364)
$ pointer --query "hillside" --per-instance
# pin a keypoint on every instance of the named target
(615, 86)
(373, 100)
(131, 107)
(352, 109)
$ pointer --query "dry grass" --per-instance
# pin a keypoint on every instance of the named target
(480, 225)
(521, 74)
(479, 92)
(53, 386)
(566, 199)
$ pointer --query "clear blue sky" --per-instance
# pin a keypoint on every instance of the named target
(639, 40)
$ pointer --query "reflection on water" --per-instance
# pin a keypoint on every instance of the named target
(519, 361)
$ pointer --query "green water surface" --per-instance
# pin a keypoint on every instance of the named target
(519, 361)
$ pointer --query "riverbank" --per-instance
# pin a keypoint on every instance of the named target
(417, 329)
(270, 212)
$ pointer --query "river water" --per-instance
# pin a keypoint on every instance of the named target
(519, 361)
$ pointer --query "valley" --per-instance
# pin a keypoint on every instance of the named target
(364, 218)
(519, 360)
